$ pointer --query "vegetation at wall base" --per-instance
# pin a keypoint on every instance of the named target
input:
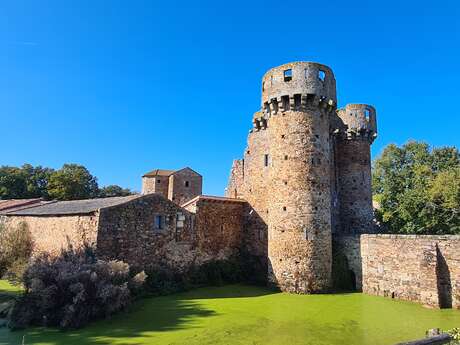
(417, 189)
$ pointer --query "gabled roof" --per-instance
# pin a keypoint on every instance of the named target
(159, 172)
(71, 207)
(166, 173)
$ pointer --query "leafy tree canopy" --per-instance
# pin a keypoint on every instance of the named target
(418, 189)
(71, 182)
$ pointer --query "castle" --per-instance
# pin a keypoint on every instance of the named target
(298, 207)
(306, 172)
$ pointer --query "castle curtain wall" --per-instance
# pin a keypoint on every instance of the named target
(418, 268)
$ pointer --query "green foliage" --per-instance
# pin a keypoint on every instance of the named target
(71, 182)
(72, 289)
(164, 280)
(16, 247)
(114, 190)
(418, 189)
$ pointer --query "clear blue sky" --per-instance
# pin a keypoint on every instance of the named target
(123, 87)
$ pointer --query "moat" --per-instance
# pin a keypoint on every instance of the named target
(239, 314)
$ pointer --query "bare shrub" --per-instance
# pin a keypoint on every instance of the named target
(16, 247)
(72, 289)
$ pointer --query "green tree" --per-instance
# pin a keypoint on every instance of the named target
(417, 188)
(114, 190)
(12, 183)
(36, 179)
(72, 182)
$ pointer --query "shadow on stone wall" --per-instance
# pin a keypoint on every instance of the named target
(443, 280)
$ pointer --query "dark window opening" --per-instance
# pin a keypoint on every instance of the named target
(286, 157)
(321, 75)
(285, 183)
(310, 98)
(283, 136)
(288, 75)
(284, 208)
(275, 105)
(285, 103)
(317, 136)
(159, 222)
(187, 184)
(297, 101)
(248, 152)
(266, 160)
(158, 181)
(263, 86)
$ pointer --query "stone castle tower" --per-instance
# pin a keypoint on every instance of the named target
(305, 173)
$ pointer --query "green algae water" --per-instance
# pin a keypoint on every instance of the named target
(238, 314)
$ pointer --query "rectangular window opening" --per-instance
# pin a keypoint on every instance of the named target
(266, 160)
(159, 222)
(367, 113)
(288, 75)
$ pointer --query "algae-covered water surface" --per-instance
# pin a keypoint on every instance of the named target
(238, 314)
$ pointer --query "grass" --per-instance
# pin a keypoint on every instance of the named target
(7, 290)
(238, 314)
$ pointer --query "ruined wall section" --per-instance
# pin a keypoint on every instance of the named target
(52, 234)
(235, 187)
(355, 132)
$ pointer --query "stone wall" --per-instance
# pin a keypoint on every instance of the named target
(54, 233)
(424, 269)
(350, 247)
(184, 185)
(155, 184)
(219, 226)
(127, 232)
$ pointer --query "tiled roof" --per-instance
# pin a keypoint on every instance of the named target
(159, 172)
(71, 207)
(18, 203)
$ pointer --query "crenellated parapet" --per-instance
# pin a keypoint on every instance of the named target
(357, 122)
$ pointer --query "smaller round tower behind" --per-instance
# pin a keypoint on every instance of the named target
(357, 129)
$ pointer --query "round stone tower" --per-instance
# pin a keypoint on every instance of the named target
(356, 131)
(297, 101)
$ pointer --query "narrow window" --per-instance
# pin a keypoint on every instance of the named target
(159, 222)
(187, 184)
(321, 75)
(267, 107)
(266, 159)
(284, 208)
(285, 157)
(263, 86)
(288, 75)
(297, 100)
(158, 181)
(275, 105)
(283, 136)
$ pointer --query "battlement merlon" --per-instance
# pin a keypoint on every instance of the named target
(358, 121)
(304, 80)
